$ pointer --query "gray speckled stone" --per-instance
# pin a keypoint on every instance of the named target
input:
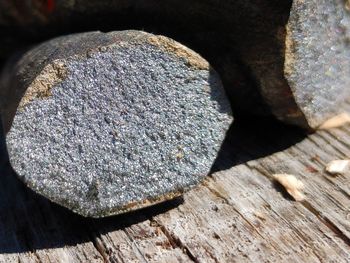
(118, 127)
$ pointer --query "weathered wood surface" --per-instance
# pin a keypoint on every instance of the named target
(237, 214)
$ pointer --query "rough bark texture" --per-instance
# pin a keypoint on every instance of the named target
(108, 123)
(290, 58)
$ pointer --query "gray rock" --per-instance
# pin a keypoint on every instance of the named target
(108, 123)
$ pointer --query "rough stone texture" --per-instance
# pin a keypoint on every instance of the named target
(119, 121)
(286, 58)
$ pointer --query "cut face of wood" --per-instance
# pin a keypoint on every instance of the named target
(113, 122)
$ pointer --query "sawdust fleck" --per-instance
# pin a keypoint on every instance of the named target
(337, 166)
(292, 185)
(336, 121)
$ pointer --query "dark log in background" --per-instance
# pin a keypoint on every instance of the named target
(197, 24)
(247, 42)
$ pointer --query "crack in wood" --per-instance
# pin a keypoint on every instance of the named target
(174, 241)
(135, 246)
(328, 223)
(100, 248)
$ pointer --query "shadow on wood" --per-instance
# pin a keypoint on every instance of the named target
(252, 138)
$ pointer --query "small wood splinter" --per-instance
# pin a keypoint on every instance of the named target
(336, 121)
(337, 166)
(292, 185)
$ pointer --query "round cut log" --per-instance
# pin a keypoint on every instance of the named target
(108, 123)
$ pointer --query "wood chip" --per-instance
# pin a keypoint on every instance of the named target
(338, 166)
(336, 121)
(292, 185)
(347, 5)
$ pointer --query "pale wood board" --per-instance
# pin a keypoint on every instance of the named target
(238, 214)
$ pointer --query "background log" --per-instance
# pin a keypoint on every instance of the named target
(287, 58)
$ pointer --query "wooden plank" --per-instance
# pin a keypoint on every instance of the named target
(327, 200)
(237, 215)
(144, 242)
(25, 257)
(211, 230)
(135, 239)
(243, 218)
(277, 218)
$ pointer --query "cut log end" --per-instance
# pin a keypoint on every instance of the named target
(134, 123)
(317, 65)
